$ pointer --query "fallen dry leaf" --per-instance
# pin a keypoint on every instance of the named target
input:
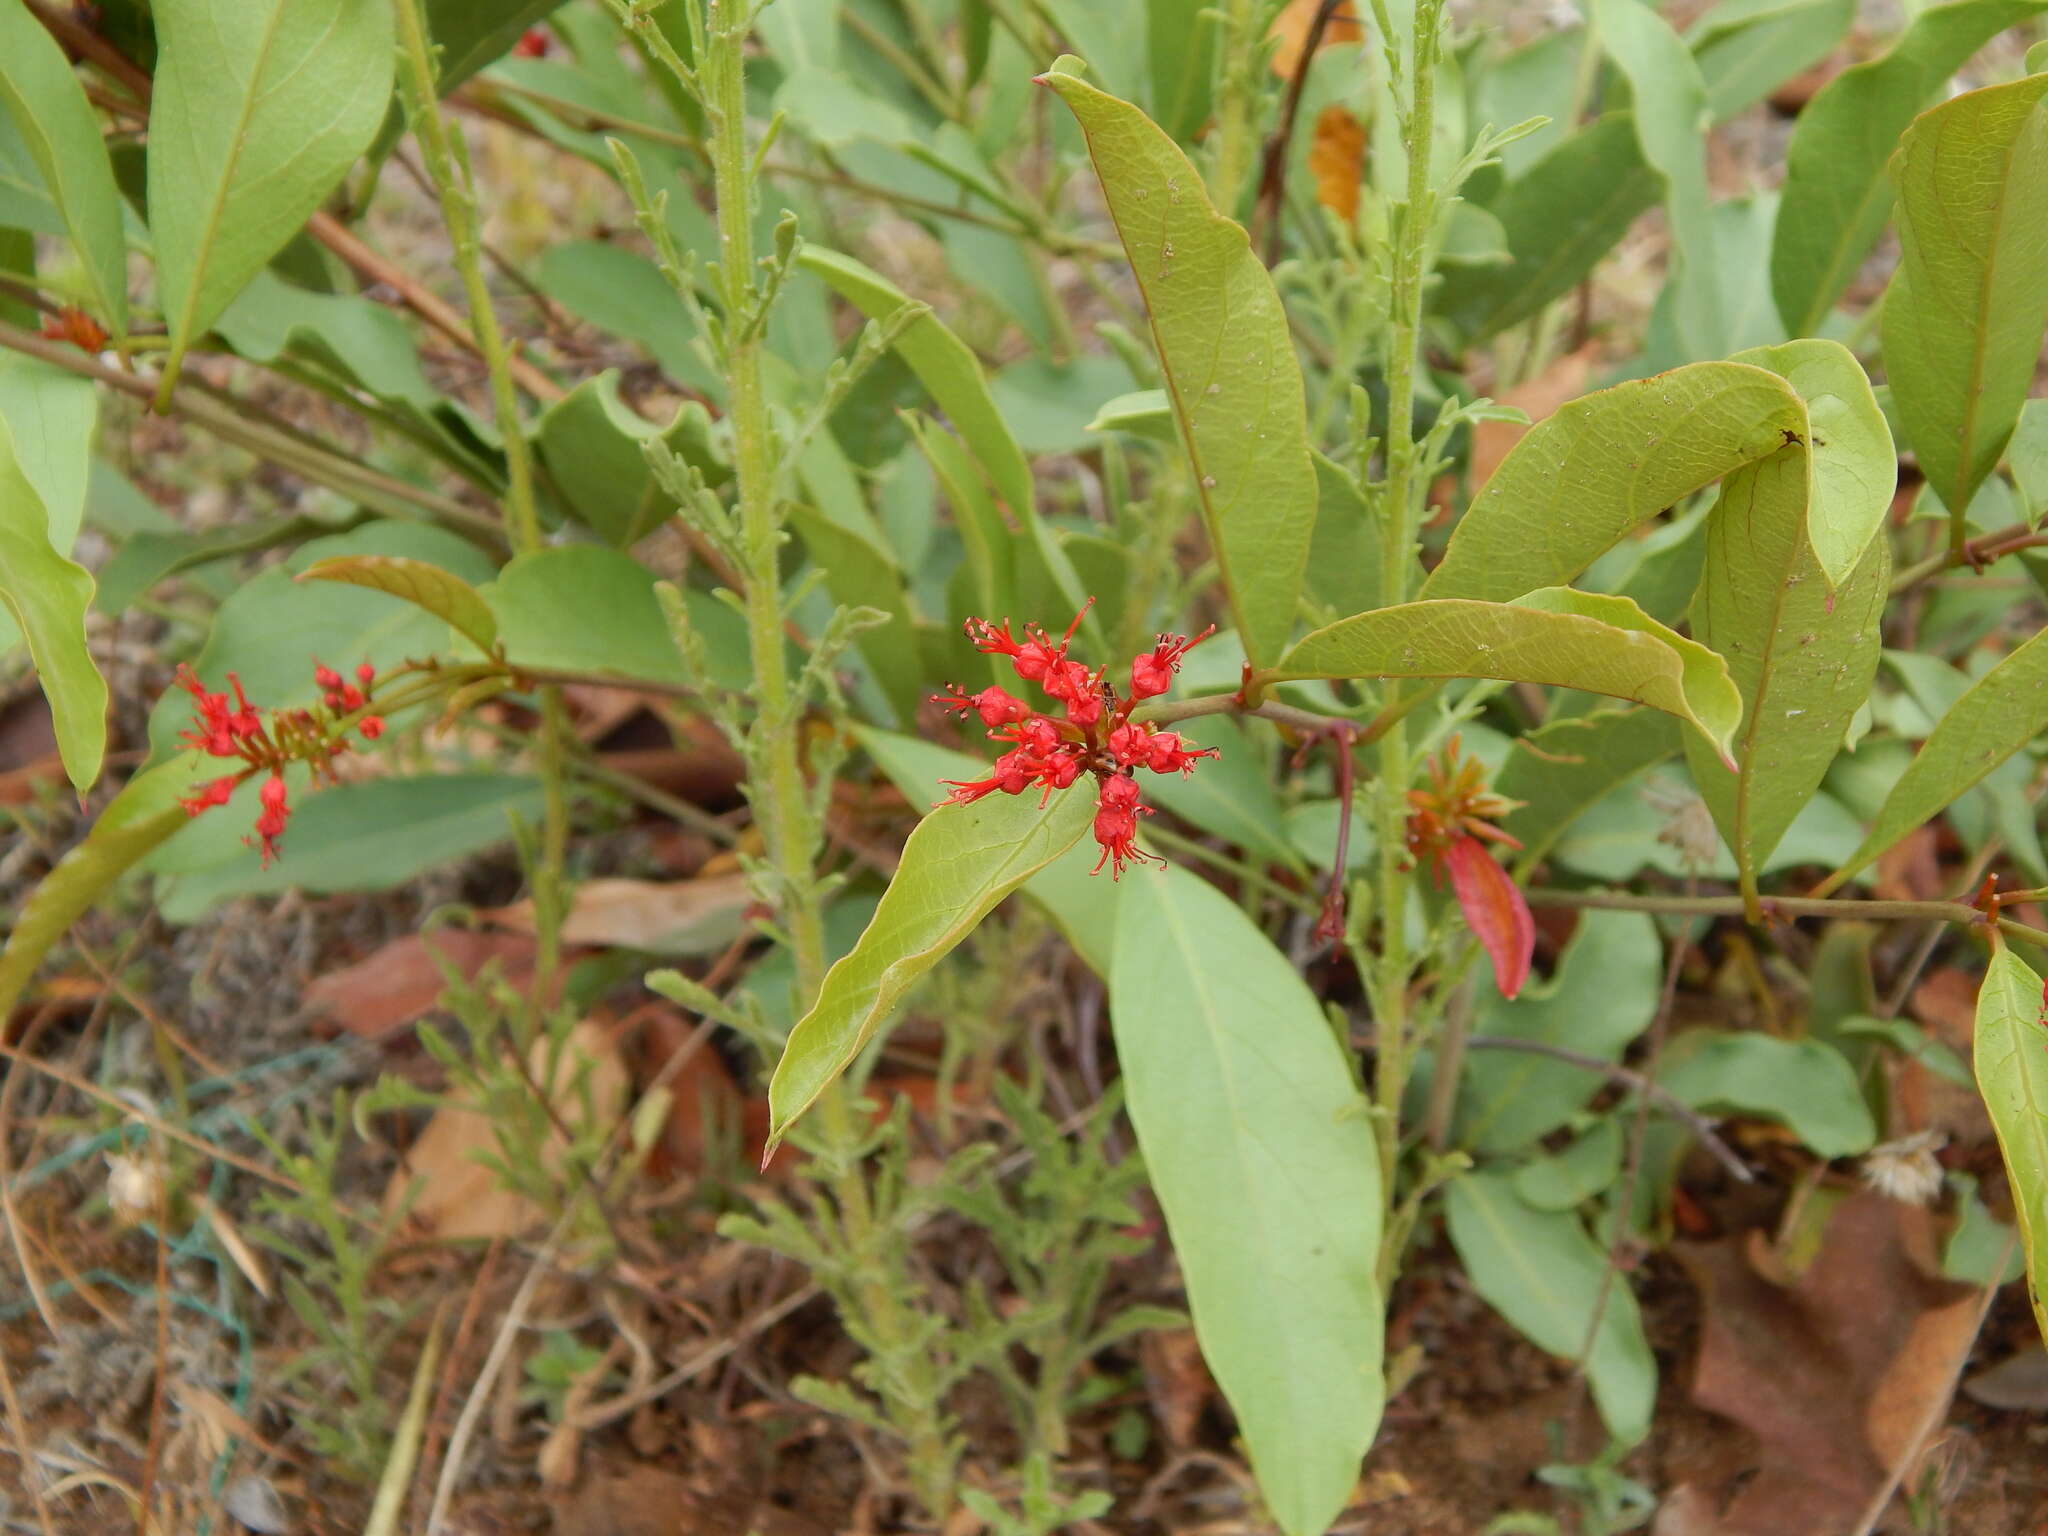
(705, 1104)
(1833, 1374)
(401, 983)
(1291, 28)
(1559, 384)
(662, 917)
(1177, 1381)
(1336, 161)
(1910, 870)
(458, 1196)
(1946, 1002)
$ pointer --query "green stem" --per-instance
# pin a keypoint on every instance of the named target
(1239, 97)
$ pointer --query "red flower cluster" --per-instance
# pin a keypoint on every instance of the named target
(74, 325)
(265, 741)
(1095, 736)
(1449, 824)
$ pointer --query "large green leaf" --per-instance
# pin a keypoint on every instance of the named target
(1560, 217)
(583, 608)
(1226, 354)
(1557, 636)
(1262, 1155)
(1802, 654)
(260, 107)
(1602, 996)
(1568, 766)
(1671, 117)
(1836, 198)
(1580, 479)
(2001, 712)
(944, 364)
(592, 444)
(1541, 1272)
(1806, 1085)
(2012, 1075)
(344, 333)
(1747, 48)
(141, 816)
(957, 865)
(1964, 316)
(55, 122)
(51, 415)
(48, 595)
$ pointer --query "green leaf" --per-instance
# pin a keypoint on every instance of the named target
(362, 341)
(260, 107)
(1559, 217)
(591, 442)
(582, 608)
(1580, 479)
(1563, 1181)
(944, 364)
(1344, 563)
(51, 415)
(2012, 1074)
(1967, 307)
(369, 836)
(1602, 996)
(1910, 1040)
(441, 593)
(1805, 1085)
(2001, 712)
(1556, 636)
(1671, 117)
(957, 865)
(621, 291)
(1142, 413)
(48, 595)
(859, 573)
(1261, 1153)
(55, 122)
(1836, 198)
(472, 33)
(1541, 1272)
(1747, 48)
(1981, 1249)
(1568, 766)
(142, 815)
(1180, 37)
(1803, 656)
(1227, 356)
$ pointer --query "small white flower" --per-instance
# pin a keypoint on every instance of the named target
(1905, 1170)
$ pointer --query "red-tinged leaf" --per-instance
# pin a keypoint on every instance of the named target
(1494, 910)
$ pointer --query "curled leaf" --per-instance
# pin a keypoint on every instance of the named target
(1494, 911)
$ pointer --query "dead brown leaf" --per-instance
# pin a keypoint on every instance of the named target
(662, 917)
(1833, 1374)
(401, 982)
(1336, 161)
(1559, 384)
(1910, 870)
(1946, 1002)
(705, 1104)
(1291, 28)
(1177, 1381)
(458, 1195)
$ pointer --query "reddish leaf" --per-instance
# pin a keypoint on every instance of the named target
(1494, 910)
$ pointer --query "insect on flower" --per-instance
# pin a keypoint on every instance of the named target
(1449, 825)
(1094, 732)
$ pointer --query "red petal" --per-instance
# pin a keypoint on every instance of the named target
(1494, 910)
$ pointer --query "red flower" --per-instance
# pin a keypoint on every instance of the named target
(270, 823)
(1097, 734)
(372, 727)
(208, 795)
(532, 44)
(77, 327)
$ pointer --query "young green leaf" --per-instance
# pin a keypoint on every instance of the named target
(957, 865)
(860, 574)
(141, 816)
(1836, 197)
(1568, 766)
(1671, 117)
(1226, 354)
(1556, 636)
(1966, 310)
(55, 123)
(260, 108)
(1580, 479)
(1541, 1272)
(1559, 217)
(944, 364)
(48, 595)
(2012, 1075)
(1262, 1155)
(1805, 1085)
(2001, 712)
(1803, 656)
(441, 593)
